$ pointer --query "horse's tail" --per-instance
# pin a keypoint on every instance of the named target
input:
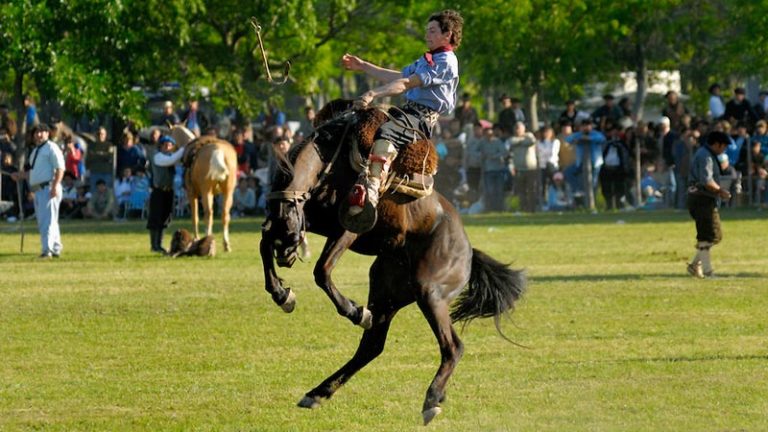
(218, 170)
(492, 291)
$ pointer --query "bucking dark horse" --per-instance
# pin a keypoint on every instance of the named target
(422, 253)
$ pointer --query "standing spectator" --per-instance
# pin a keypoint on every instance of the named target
(30, 115)
(238, 141)
(473, 164)
(761, 135)
(567, 155)
(7, 123)
(72, 156)
(306, 124)
(667, 138)
(569, 114)
(9, 191)
(716, 104)
(493, 154)
(675, 110)
(193, 118)
(101, 206)
(100, 160)
(640, 136)
(626, 110)
(129, 155)
(7, 146)
(169, 117)
(756, 169)
(589, 149)
(703, 196)
(682, 152)
(45, 175)
(608, 112)
(739, 109)
(162, 163)
(466, 114)
(615, 170)
(548, 154)
(522, 144)
(759, 107)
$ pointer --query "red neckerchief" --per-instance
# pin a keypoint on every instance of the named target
(428, 54)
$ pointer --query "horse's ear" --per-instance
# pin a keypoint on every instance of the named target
(170, 125)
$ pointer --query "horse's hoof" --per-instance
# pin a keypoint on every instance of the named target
(309, 402)
(227, 247)
(366, 321)
(290, 303)
(430, 414)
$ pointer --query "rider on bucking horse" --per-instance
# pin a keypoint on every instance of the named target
(429, 84)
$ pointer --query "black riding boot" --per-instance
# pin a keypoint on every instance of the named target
(156, 240)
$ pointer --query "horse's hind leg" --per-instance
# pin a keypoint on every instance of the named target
(226, 206)
(436, 311)
(208, 212)
(332, 251)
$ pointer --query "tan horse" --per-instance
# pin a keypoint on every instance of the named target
(210, 168)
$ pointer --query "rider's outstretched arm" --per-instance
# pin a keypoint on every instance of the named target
(351, 62)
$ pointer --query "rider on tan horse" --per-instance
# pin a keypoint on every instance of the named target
(429, 84)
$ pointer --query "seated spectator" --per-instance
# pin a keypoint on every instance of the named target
(559, 195)
(244, 198)
(140, 182)
(70, 206)
(651, 189)
(102, 203)
(122, 189)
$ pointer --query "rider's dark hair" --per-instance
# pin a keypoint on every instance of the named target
(449, 20)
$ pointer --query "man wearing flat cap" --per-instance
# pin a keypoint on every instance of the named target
(162, 163)
(44, 173)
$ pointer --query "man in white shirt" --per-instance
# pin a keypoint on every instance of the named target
(716, 105)
(45, 172)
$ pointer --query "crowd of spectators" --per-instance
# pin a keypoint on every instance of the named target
(603, 159)
(110, 181)
(484, 166)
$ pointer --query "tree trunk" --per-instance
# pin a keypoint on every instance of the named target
(533, 112)
(641, 76)
(18, 102)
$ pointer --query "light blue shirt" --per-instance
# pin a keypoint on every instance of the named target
(47, 158)
(439, 82)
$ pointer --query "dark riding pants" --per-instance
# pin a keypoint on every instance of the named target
(703, 210)
(160, 209)
(406, 128)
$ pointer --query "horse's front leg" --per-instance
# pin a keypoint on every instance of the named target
(226, 207)
(332, 251)
(283, 297)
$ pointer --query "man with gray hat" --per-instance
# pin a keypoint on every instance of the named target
(44, 172)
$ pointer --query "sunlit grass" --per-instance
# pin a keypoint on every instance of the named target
(112, 337)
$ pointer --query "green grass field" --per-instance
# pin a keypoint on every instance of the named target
(618, 336)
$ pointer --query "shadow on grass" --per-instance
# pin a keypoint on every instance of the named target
(636, 276)
(673, 359)
(636, 217)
